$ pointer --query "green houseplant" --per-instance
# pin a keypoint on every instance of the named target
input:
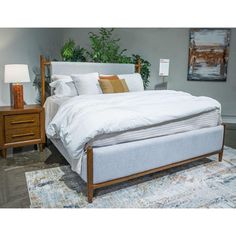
(71, 52)
(104, 48)
(145, 69)
(37, 83)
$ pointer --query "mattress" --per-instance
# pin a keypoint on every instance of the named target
(203, 120)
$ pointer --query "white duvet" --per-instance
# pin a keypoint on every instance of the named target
(84, 117)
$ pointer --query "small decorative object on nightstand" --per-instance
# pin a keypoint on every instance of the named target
(16, 74)
(21, 127)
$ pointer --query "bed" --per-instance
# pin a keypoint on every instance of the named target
(108, 139)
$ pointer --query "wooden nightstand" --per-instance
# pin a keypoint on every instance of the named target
(21, 127)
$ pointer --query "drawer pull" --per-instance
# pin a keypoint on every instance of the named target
(22, 122)
(22, 135)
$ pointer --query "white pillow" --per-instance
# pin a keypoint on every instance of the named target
(133, 81)
(61, 83)
(66, 78)
(61, 89)
(87, 83)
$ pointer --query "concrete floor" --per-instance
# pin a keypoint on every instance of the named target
(13, 188)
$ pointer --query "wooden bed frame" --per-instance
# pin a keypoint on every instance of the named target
(90, 184)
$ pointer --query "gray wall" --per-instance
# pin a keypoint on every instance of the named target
(24, 46)
(154, 44)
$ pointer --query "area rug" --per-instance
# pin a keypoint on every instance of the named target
(202, 184)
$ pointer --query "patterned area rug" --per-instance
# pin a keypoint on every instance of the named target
(202, 184)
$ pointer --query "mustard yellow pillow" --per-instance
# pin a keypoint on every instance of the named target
(113, 86)
(110, 77)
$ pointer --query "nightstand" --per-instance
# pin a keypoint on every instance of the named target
(21, 127)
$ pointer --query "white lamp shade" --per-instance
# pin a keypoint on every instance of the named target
(16, 73)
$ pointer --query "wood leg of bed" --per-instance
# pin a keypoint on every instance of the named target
(90, 187)
(220, 156)
(90, 195)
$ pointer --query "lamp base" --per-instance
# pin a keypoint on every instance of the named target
(17, 92)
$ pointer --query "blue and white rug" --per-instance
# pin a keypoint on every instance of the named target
(203, 184)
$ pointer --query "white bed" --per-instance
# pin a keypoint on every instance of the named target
(202, 121)
(111, 157)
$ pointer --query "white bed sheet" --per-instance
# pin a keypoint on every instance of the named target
(51, 107)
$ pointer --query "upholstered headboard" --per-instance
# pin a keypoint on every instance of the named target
(68, 68)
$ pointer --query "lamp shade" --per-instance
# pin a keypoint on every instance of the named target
(16, 73)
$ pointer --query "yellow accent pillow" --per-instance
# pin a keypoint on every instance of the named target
(110, 77)
(113, 86)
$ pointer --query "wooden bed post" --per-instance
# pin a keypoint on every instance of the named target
(138, 66)
(43, 64)
(42, 72)
(222, 149)
(90, 187)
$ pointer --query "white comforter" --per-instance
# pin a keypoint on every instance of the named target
(82, 118)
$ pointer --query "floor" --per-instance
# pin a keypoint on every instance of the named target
(13, 189)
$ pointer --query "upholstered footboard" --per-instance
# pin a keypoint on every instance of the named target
(117, 163)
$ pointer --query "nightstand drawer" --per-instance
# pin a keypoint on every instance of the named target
(21, 121)
(22, 134)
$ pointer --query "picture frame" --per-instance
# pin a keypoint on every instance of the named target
(208, 54)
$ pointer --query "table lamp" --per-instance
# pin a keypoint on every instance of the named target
(16, 74)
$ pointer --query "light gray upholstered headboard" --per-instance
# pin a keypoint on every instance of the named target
(68, 68)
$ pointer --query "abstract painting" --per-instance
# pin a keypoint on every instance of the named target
(208, 54)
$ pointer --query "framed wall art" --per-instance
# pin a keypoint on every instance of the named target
(208, 54)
